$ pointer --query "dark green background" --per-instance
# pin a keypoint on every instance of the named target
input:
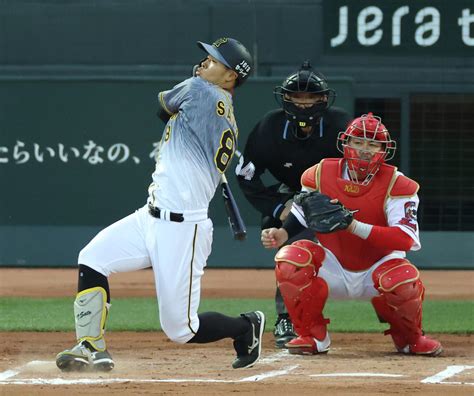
(56, 193)
(52, 209)
(79, 70)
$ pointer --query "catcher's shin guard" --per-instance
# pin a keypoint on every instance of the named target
(304, 293)
(90, 313)
(400, 304)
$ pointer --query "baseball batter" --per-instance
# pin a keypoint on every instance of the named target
(361, 250)
(172, 232)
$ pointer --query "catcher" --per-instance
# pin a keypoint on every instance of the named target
(363, 212)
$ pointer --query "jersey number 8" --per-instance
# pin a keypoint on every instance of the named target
(225, 151)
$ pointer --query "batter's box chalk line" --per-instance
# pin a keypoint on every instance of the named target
(357, 375)
(4, 375)
(276, 357)
(447, 373)
(6, 378)
(438, 378)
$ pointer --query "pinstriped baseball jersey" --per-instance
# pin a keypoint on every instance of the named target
(197, 145)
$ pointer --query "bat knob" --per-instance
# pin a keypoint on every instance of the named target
(240, 236)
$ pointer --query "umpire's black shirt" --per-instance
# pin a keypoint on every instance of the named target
(272, 146)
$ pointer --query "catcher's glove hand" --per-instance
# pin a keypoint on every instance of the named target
(322, 215)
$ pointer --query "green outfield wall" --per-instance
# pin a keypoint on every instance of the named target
(78, 86)
(76, 155)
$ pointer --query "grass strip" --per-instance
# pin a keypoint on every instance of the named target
(141, 314)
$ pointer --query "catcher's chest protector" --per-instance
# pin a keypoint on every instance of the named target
(353, 252)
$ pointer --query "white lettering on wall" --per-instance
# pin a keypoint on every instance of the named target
(428, 33)
(343, 23)
(397, 24)
(465, 22)
(91, 153)
(427, 20)
(368, 20)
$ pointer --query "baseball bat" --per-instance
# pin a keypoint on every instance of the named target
(236, 222)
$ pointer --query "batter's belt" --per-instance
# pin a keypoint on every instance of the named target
(165, 215)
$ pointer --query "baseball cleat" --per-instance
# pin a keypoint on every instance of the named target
(422, 346)
(249, 345)
(84, 357)
(308, 345)
(284, 332)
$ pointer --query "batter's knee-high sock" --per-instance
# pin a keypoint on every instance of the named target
(89, 278)
(214, 326)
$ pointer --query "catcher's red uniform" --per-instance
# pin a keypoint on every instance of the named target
(354, 253)
(355, 266)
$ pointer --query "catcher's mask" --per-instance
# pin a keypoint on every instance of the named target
(232, 54)
(364, 162)
(308, 81)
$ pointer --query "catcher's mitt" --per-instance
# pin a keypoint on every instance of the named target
(322, 215)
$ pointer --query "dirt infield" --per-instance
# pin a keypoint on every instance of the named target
(215, 283)
(147, 363)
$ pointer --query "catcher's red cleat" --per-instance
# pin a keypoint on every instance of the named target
(308, 345)
(422, 346)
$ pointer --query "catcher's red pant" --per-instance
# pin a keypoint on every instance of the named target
(304, 270)
(304, 293)
(400, 300)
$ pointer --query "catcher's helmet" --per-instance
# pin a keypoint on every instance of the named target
(231, 53)
(364, 164)
(309, 81)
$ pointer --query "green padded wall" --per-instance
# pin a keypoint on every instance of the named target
(76, 156)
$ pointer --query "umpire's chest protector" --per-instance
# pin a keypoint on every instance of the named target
(354, 253)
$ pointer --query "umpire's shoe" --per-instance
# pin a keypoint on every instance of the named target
(284, 331)
(249, 345)
(84, 357)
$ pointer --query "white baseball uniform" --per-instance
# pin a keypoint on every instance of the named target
(197, 144)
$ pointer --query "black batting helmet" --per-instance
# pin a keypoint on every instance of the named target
(304, 80)
(231, 53)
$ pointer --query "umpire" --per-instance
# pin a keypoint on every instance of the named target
(287, 141)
